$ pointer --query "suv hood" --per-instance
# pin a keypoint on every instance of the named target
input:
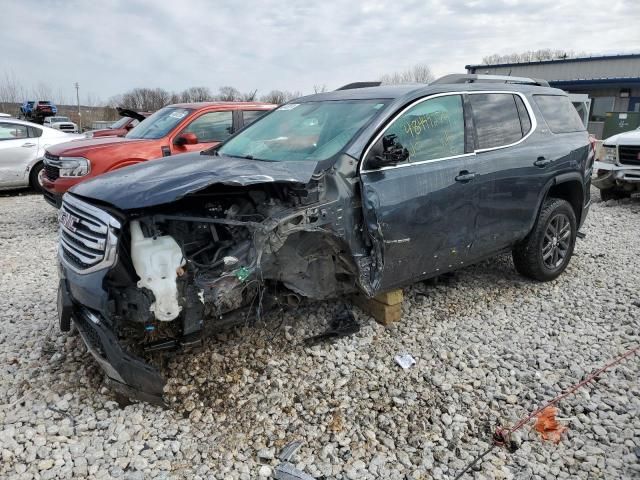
(125, 112)
(625, 138)
(82, 147)
(171, 178)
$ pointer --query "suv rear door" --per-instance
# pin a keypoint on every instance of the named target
(508, 181)
(422, 211)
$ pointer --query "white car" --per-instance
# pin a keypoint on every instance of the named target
(22, 146)
(617, 171)
(61, 123)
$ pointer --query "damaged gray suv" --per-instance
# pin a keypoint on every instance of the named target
(357, 190)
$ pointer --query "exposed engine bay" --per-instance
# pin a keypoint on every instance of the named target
(227, 256)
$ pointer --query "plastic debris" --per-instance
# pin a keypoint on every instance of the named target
(548, 426)
(286, 471)
(289, 450)
(405, 360)
(342, 325)
(242, 273)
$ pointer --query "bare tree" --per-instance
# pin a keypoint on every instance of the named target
(145, 99)
(420, 73)
(248, 96)
(228, 94)
(11, 92)
(196, 94)
(319, 88)
(279, 97)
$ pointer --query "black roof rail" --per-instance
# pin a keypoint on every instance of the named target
(350, 86)
(475, 78)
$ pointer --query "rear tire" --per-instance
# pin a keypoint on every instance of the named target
(34, 177)
(613, 194)
(545, 252)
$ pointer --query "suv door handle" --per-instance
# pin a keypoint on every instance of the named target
(465, 176)
(28, 144)
(542, 162)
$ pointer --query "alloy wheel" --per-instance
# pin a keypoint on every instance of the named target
(557, 239)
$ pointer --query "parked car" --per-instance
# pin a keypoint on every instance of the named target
(358, 190)
(61, 123)
(37, 111)
(120, 128)
(22, 147)
(187, 127)
(617, 172)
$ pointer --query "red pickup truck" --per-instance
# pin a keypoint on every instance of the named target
(179, 128)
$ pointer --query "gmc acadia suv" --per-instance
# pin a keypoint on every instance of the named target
(357, 190)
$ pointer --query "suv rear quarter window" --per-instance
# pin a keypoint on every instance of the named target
(559, 113)
(496, 119)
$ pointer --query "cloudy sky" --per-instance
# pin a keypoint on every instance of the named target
(112, 46)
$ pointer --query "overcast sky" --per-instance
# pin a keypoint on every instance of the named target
(112, 46)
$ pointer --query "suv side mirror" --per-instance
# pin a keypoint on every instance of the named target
(387, 152)
(186, 139)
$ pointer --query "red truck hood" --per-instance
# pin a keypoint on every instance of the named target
(79, 148)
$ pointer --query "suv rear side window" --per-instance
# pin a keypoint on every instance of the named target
(250, 116)
(12, 131)
(496, 119)
(560, 114)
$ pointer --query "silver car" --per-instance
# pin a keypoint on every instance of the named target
(22, 146)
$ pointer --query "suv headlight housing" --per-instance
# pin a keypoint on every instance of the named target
(73, 166)
(610, 154)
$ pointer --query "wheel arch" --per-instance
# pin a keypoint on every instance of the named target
(567, 186)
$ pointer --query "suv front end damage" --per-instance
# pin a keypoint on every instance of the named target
(165, 276)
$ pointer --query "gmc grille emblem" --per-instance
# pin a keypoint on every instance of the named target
(67, 220)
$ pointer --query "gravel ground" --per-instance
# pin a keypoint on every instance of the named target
(490, 346)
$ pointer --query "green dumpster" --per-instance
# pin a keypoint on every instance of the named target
(618, 122)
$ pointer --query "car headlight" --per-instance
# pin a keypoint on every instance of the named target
(610, 154)
(74, 166)
(88, 134)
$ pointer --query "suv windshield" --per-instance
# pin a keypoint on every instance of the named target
(58, 119)
(303, 131)
(159, 124)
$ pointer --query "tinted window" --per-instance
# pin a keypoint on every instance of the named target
(496, 119)
(525, 121)
(212, 127)
(12, 131)
(160, 123)
(252, 115)
(559, 113)
(431, 129)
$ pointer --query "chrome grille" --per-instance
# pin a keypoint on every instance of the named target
(51, 171)
(87, 236)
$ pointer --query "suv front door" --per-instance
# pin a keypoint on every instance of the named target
(421, 211)
(210, 128)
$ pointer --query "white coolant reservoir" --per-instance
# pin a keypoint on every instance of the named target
(157, 261)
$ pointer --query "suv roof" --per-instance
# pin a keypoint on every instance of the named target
(198, 105)
(457, 82)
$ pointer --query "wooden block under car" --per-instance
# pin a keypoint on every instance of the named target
(384, 313)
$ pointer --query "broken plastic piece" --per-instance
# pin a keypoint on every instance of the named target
(343, 324)
(286, 471)
(548, 426)
(289, 450)
(405, 360)
(242, 273)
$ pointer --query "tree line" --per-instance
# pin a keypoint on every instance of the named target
(532, 56)
(13, 92)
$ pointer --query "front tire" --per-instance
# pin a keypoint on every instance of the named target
(545, 252)
(34, 175)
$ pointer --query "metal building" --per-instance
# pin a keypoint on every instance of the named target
(611, 81)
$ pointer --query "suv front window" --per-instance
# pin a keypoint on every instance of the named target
(159, 124)
(311, 131)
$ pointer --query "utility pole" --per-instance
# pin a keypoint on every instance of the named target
(79, 112)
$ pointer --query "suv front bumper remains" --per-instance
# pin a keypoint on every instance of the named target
(608, 175)
(126, 373)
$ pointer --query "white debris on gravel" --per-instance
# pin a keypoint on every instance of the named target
(490, 347)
